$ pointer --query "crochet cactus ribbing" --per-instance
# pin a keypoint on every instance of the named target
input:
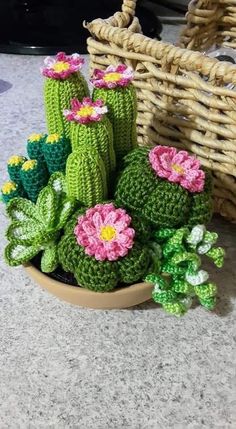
(57, 95)
(34, 177)
(98, 135)
(56, 149)
(14, 165)
(86, 176)
(122, 112)
(34, 147)
(159, 201)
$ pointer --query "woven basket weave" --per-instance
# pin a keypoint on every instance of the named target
(183, 99)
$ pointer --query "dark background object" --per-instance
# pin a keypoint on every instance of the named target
(47, 26)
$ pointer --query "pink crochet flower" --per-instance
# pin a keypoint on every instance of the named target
(104, 232)
(61, 66)
(85, 111)
(112, 77)
(178, 167)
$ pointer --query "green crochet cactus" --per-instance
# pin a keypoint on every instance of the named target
(34, 147)
(36, 227)
(86, 176)
(11, 190)
(56, 149)
(179, 278)
(101, 276)
(98, 135)
(158, 201)
(14, 165)
(57, 96)
(122, 112)
(34, 177)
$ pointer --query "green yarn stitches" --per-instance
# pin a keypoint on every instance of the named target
(56, 149)
(57, 96)
(122, 112)
(35, 227)
(34, 177)
(14, 165)
(34, 147)
(98, 135)
(180, 265)
(86, 176)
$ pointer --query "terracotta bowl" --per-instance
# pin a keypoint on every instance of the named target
(123, 297)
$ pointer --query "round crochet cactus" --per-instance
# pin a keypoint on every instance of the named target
(158, 199)
(102, 275)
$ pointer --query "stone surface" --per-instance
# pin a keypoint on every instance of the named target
(67, 367)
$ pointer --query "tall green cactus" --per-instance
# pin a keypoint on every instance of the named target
(98, 135)
(63, 82)
(86, 176)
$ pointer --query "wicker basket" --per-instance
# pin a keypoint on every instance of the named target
(183, 99)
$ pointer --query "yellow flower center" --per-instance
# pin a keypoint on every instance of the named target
(112, 77)
(107, 233)
(85, 111)
(29, 165)
(52, 138)
(35, 137)
(61, 66)
(8, 187)
(15, 160)
(177, 168)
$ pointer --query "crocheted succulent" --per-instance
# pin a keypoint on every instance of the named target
(165, 187)
(100, 248)
(178, 277)
(56, 149)
(63, 82)
(35, 227)
(34, 147)
(114, 87)
(91, 127)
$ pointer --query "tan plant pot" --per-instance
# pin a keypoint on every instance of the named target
(118, 298)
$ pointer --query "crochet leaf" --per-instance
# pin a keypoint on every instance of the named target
(66, 211)
(17, 254)
(47, 204)
(49, 259)
(28, 232)
(57, 182)
(21, 209)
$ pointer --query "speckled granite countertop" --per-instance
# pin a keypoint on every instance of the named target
(66, 367)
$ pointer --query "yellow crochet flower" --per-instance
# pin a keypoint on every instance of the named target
(29, 165)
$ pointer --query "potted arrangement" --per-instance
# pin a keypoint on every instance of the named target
(99, 221)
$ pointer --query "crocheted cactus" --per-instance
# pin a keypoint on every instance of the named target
(159, 200)
(90, 127)
(34, 177)
(34, 147)
(63, 82)
(56, 149)
(14, 165)
(95, 259)
(180, 262)
(114, 88)
(35, 227)
(11, 190)
(86, 176)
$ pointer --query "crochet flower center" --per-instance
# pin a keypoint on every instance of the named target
(177, 168)
(86, 111)
(8, 187)
(107, 233)
(15, 160)
(35, 137)
(29, 165)
(112, 77)
(53, 138)
(61, 66)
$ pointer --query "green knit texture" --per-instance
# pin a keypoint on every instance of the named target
(101, 276)
(58, 94)
(11, 190)
(56, 149)
(34, 177)
(122, 112)
(179, 278)
(98, 135)
(14, 165)
(36, 227)
(86, 176)
(162, 203)
(34, 147)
